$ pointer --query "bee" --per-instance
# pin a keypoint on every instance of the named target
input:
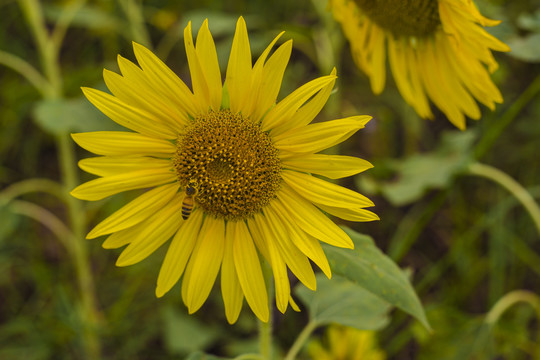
(187, 204)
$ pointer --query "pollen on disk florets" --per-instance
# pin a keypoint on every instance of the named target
(418, 18)
(234, 164)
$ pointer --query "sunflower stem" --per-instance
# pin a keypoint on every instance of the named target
(300, 340)
(48, 51)
(518, 191)
(265, 328)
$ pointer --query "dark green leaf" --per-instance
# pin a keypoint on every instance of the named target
(368, 267)
(344, 302)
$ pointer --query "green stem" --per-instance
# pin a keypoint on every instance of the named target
(48, 51)
(511, 299)
(80, 253)
(134, 13)
(300, 340)
(495, 130)
(27, 71)
(265, 328)
(46, 48)
(518, 191)
(46, 218)
(33, 185)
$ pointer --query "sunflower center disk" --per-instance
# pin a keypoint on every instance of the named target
(233, 163)
(419, 18)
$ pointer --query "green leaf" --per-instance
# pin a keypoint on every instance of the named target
(184, 334)
(343, 302)
(368, 267)
(526, 48)
(72, 115)
(420, 172)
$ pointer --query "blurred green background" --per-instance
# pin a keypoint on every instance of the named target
(467, 241)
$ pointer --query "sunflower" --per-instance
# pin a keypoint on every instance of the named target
(346, 343)
(228, 172)
(437, 50)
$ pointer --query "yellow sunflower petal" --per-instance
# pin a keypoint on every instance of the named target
(331, 166)
(230, 285)
(113, 165)
(286, 108)
(309, 110)
(206, 52)
(239, 70)
(103, 187)
(349, 214)
(200, 87)
(123, 143)
(122, 237)
(248, 269)
(159, 228)
(279, 268)
(316, 137)
(139, 79)
(204, 263)
(142, 97)
(165, 79)
(305, 242)
(135, 211)
(267, 80)
(312, 220)
(128, 116)
(324, 192)
(178, 253)
(378, 76)
(294, 258)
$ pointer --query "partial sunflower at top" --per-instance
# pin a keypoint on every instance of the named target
(437, 50)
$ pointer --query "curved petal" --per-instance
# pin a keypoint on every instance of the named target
(103, 187)
(204, 263)
(206, 52)
(198, 81)
(350, 214)
(135, 211)
(165, 79)
(267, 80)
(178, 253)
(248, 269)
(123, 143)
(157, 230)
(309, 110)
(239, 70)
(323, 192)
(279, 269)
(312, 220)
(294, 258)
(306, 243)
(230, 284)
(128, 116)
(331, 166)
(286, 108)
(316, 137)
(114, 165)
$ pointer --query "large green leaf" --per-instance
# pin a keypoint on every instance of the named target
(434, 170)
(71, 115)
(343, 302)
(184, 334)
(368, 267)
